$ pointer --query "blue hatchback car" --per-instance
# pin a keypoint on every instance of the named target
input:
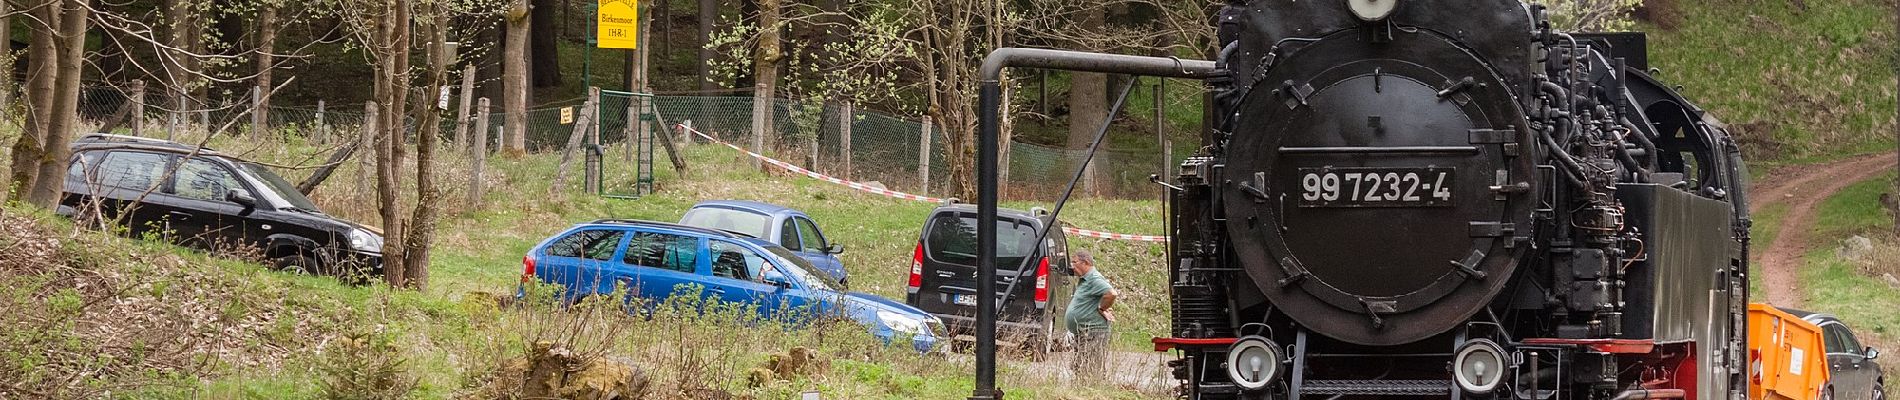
(656, 259)
(784, 226)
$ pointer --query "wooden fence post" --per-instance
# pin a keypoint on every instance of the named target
(479, 152)
(364, 140)
(811, 157)
(257, 111)
(635, 128)
(322, 131)
(468, 94)
(761, 116)
(923, 158)
(138, 107)
(175, 119)
(590, 167)
(581, 123)
(845, 118)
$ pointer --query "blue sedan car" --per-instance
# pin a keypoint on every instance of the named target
(786, 227)
(654, 260)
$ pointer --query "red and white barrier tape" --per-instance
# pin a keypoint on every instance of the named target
(901, 195)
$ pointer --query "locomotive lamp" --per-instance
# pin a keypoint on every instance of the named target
(1254, 362)
(1479, 366)
(1372, 10)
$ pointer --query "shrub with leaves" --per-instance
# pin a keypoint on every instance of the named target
(365, 364)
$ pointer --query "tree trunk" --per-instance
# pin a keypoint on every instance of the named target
(547, 56)
(765, 63)
(389, 89)
(50, 180)
(514, 79)
(478, 153)
(422, 230)
(1088, 106)
(708, 15)
(41, 74)
(398, 107)
(266, 43)
(177, 36)
(6, 67)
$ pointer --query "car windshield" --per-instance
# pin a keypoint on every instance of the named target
(803, 269)
(281, 188)
(750, 224)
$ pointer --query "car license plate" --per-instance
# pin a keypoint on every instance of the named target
(963, 299)
(1375, 187)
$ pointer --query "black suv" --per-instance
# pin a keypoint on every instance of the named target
(203, 199)
(943, 275)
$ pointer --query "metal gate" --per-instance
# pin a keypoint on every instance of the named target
(624, 147)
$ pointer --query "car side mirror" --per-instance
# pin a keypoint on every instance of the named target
(835, 249)
(241, 197)
(1872, 353)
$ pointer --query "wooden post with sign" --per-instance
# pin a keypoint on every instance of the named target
(574, 140)
(617, 24)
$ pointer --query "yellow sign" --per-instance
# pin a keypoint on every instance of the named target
(567, 115)
(618, 24)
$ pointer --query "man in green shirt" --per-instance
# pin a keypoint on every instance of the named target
(1089, 317)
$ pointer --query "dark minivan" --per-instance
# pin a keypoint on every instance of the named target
(200, 198)
(943, 275)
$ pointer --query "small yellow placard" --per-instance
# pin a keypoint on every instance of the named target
(618, 24)
(567, 115)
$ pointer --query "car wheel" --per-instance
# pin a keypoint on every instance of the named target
(1880, 392)
(1827, 393)
(297, 264)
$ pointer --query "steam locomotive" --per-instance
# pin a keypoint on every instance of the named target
(1436, 198)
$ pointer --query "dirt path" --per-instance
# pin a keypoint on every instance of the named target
(1803, 188)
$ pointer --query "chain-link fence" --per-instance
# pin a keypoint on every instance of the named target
(881, 147)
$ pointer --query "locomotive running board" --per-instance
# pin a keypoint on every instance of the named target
(1613, 346)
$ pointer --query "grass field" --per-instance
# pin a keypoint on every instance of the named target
(1841, 286)
(1796, 80)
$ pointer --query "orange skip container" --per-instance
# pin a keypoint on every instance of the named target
(1787, 356)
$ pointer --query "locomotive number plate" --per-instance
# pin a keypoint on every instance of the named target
(1375, 187)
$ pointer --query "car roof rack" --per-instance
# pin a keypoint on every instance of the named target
(669, 225)
(141, 141)
(108, 137)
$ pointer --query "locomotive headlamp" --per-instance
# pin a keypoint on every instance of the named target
(1253, 362)
(1479, 366)
(1372, 10)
